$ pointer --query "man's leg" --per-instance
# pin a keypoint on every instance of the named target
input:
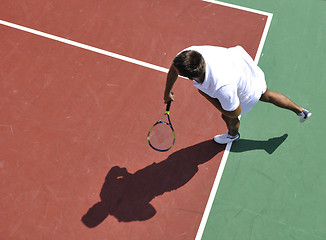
(232, 124)
(280, 100)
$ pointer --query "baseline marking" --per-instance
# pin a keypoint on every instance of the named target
(238, 7)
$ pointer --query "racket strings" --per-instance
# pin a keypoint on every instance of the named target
(161, 137)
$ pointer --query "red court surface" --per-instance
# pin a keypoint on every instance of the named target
(73, 123)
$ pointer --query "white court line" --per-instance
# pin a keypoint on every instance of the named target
(84, 46)
(263, 38)
(165, 70)
(238, 7)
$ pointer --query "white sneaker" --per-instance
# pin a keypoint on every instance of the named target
(304, 115)
(226, 138)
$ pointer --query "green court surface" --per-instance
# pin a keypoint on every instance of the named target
(274, 183)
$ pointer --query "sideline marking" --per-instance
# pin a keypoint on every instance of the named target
(263, 38)
(84, 46)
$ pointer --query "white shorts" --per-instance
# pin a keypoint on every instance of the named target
(255, 80)
(261, 87)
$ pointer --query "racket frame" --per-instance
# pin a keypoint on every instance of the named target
(167, 113)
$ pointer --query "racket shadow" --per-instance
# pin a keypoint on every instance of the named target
(127, 196)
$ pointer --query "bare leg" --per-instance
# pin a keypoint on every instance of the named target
(232, 124)
(280, 100)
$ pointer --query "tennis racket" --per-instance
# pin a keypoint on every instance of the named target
(161, 135)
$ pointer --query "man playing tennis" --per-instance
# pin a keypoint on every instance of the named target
(230, 80)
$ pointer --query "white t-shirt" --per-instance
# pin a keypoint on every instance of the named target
(231, 76)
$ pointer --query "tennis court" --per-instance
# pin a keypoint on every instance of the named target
(82, 82)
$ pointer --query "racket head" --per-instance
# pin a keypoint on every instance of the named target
(161, 136)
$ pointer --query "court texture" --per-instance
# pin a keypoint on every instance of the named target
(81, 84)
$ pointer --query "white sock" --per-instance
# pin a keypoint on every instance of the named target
(229, 136)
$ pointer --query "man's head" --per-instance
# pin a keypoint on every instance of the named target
(190, 64)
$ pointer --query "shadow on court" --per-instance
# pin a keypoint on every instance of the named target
(127, 196)
(244, 145)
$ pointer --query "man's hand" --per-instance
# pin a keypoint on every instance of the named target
(168, 97)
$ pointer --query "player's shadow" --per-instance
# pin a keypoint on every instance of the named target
(243, 145)
(127, 196)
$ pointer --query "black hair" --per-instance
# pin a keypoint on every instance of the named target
(190, 64)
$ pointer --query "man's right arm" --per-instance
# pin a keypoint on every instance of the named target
(170, 80)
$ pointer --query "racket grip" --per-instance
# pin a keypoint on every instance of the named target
(168, 105)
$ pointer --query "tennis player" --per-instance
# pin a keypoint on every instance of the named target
(230, 80)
